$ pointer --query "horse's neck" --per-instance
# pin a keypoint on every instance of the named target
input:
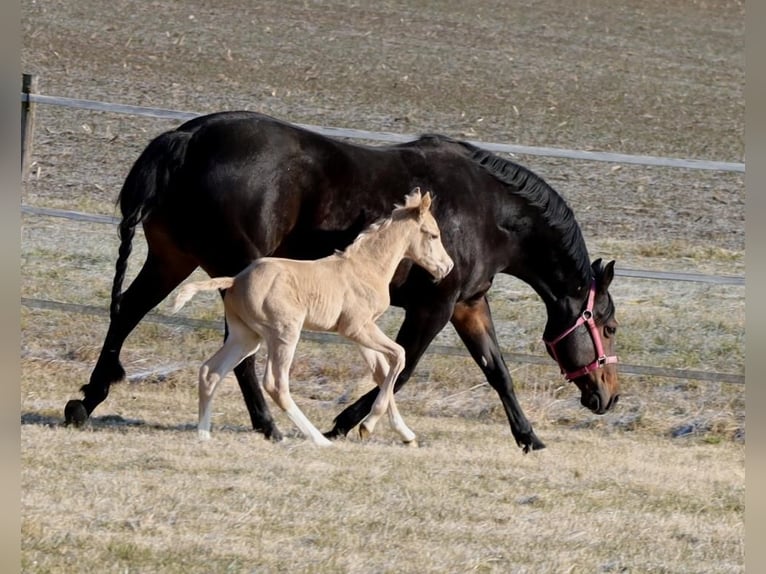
(552, 271)
(382, 249)
(552, 284)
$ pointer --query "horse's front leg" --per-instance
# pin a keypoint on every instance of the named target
(473, 322)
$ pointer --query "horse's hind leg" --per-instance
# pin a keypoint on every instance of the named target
(379, 366)
(157, 278)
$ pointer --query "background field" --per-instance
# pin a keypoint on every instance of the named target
(656, 486)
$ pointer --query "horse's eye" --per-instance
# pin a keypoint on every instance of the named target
(609, 330)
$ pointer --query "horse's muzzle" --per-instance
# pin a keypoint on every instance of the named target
(597, 404)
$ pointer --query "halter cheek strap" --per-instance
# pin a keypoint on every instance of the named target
(585, 318)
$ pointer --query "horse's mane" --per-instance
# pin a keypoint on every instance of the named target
(537, 193)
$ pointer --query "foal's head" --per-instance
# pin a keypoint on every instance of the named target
(425, 246)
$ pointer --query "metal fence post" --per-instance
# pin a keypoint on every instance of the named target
(28, 86)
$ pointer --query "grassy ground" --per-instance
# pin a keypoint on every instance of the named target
(137, 492)
(657, 485)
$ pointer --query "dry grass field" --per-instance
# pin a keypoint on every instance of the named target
(657, 485)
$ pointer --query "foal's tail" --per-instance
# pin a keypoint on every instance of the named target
(189, 290)
(149, 177)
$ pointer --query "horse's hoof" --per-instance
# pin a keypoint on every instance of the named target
(364, 434)
(411, 443)
(75, 413)
(203, 434)
(334, 433)
(531, 442)
(274, 435)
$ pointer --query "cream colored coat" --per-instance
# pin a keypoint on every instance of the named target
(274, 299)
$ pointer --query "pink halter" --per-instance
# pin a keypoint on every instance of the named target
(585, 318)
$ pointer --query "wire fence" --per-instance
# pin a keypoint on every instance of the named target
(28, 98)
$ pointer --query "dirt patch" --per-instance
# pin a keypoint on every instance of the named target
(640, 77)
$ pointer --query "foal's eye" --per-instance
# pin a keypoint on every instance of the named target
(609, 330)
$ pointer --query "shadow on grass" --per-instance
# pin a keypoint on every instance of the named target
(116, 422)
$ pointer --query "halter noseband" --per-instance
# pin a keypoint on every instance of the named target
(585, 318)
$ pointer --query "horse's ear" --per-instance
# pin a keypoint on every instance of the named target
(604, 274)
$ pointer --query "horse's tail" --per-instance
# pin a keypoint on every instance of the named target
(146, 181)
(189, 290)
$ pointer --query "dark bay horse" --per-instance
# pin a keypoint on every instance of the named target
(224, 189)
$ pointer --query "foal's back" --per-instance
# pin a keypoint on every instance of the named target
(319, 295)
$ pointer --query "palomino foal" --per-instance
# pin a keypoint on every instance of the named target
(274, 299)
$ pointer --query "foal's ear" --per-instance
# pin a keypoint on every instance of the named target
(425, 203)
(412, 199)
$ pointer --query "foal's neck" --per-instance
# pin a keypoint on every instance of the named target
(383, 248)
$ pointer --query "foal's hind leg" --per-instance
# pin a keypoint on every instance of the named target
(377, 362)
(260, 417)
(276, 382)
(239, 344)
(160, 274)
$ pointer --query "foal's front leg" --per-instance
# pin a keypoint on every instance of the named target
(371, 337)
(377, 362)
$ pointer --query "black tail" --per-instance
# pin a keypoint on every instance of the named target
(149, 177)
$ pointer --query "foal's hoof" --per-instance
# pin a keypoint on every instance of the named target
(203, 435)
(364, 433)
(75, 413)
(411, 443)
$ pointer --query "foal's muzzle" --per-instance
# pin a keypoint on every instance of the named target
(444, 270)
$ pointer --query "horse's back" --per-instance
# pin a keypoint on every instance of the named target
(253, 186)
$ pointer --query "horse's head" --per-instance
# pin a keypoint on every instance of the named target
(426, 247)
(585, 350)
